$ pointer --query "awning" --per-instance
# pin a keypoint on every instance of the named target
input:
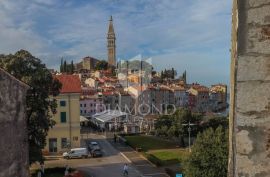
(83, 119)
(108, 115)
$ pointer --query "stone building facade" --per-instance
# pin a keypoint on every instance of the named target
(87, 64)
(249, 154)
(14, 161)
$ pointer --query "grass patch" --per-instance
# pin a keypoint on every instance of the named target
(181, 154)
(149, 143)
(170, 156)
(159, 151)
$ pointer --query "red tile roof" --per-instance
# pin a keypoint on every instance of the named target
(140, 88)
(70, 83)
(200, 88)
(107, 93)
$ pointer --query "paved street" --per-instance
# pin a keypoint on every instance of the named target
(111, 164)
(141, 164)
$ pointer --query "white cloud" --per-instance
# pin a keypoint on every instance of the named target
(168, 30)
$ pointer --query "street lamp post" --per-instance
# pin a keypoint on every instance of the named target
(189, 130)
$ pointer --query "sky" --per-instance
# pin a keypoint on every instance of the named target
(191, 35)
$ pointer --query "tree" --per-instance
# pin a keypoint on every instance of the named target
(173, 73)
(72, 67)
(209, 156)
(184, 76)
(101, 65)
(163, 120)
(61, 66)
(168, 74)
(65, 66)
(215, 122)
(39, 106)
(175, 124)
(162, 75)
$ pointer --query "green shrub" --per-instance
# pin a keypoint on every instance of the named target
(154, 160)
(57, 171)
(170, 172)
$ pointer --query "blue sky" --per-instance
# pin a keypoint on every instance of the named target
(184, 34)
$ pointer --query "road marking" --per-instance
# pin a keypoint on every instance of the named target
(125, 157)
(154, 174)
(135, 158)
(143, 165)
(153, 165)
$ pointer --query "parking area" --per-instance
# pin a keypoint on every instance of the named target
(110, 164)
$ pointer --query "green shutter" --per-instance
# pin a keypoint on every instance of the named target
(62, 103)
(63, 117)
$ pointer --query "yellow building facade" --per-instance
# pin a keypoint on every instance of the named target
(65, 134)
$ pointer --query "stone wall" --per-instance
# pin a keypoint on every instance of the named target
(250, 89)
(13, 141)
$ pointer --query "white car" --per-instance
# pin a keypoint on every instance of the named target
(76, 153)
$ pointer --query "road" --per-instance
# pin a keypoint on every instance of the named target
(111, 164)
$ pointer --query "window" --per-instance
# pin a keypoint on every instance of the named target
(80, 105)
(84, 105)
(63, 117)
(63, 143)
(52, 144)
(62, 103)
(85, 111)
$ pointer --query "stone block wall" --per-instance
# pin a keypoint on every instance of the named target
(13, 133)
(250, 89)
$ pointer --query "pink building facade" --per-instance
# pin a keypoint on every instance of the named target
(91, 105)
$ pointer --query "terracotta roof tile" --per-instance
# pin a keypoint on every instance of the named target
(70, 83)
(107, 93)
(200, 88)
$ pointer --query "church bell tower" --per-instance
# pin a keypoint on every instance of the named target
(111, 44)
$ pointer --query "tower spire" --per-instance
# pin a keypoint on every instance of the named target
(111, 30)
(111, 43)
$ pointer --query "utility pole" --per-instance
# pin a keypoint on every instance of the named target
(189, 130)
(189, 133)
(127, 75)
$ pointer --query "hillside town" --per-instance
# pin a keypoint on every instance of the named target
(75, 103)
(99, 107)
(115, 95)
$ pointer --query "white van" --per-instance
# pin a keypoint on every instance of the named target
(76, 153)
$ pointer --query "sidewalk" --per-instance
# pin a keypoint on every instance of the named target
(141, 164)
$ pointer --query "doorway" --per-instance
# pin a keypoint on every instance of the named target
(53, 145)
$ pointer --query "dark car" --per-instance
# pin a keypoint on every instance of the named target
(93, 145)
(96, 153)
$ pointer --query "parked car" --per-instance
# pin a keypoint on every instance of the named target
(76, 153)
(93, 145)
(96, 153)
